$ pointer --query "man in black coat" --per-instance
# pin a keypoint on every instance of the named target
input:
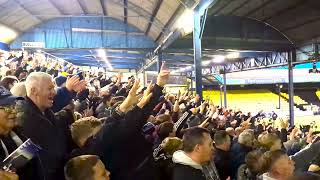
(41, 126)
(222, 157)
(120, 142)
(197, 151)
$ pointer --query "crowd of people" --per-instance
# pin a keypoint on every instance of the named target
(92, 127)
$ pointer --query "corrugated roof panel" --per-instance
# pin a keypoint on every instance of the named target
(305, 32)
(147, 5)
(272, 8)
(301, 14)
(232, 6)
(115, 11)
(154, 32)
(166, 10)
(70, 6)
(42, 8)
(3, 1)
(137, 21)
(93, 6)
(25, 24)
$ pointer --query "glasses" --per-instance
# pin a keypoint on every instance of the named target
(7, 109)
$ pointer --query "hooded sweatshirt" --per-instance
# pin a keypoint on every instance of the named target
(185, 168)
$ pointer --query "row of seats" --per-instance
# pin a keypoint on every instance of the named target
(296, 99)
(250, 100)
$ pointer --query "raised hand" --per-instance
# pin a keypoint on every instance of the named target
(8, 175)
(132, 97)
(74, 84)
(146, 96)
(163, 76)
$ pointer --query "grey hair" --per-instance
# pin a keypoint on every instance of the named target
(34, 79)
(19, 89)
(246, 138)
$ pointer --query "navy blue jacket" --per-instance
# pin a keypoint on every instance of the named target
(62, 99)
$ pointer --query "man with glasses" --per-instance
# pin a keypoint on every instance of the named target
(11, 138)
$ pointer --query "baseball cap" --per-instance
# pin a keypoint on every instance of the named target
(6, 97)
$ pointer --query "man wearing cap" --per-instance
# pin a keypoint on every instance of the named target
(39, 123)
(11, 138)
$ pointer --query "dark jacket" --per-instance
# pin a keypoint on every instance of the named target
(185, 168)
(238, 154)
(121, 145)
(184, 172)
(33, 169)
(62, 99)
(222, 161)
(49, 133)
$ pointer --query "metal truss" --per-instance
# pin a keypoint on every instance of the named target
(273, 59)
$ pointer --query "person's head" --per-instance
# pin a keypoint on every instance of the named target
(114, 78)
(7, 111)
(277, 164)
(8, 82)
(60, 81)
(171, 144)
(166, 129)
(197, 143)
(246, 138)
(231, 132)
(81, 106)
(84, 128)
(238, 131)
(222, 140)
(253, 161)
(85, 167)
(19, 89)
(115, 100)
(41, 90)
(163, 118)
(270, 142)
(23, 75)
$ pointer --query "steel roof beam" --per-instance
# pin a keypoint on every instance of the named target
(154, 14)
(125, 11)
(82, 6)
(104, 10)
(24, 8)
(222, 7)
(53, 3)
(258, 8)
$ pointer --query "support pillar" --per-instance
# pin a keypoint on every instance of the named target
(225, 86)
(197, 51)
(291, 58)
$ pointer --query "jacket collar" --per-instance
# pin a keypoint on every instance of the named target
(180, 157)
(266, 176)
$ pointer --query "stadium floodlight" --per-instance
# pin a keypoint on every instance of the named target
(185, 22)
(102, 54)
(218, 59)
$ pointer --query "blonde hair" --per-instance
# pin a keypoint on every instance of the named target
(19, 89)
(84, 128)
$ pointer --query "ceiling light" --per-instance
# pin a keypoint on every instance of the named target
(102, 54)
(185, 22)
